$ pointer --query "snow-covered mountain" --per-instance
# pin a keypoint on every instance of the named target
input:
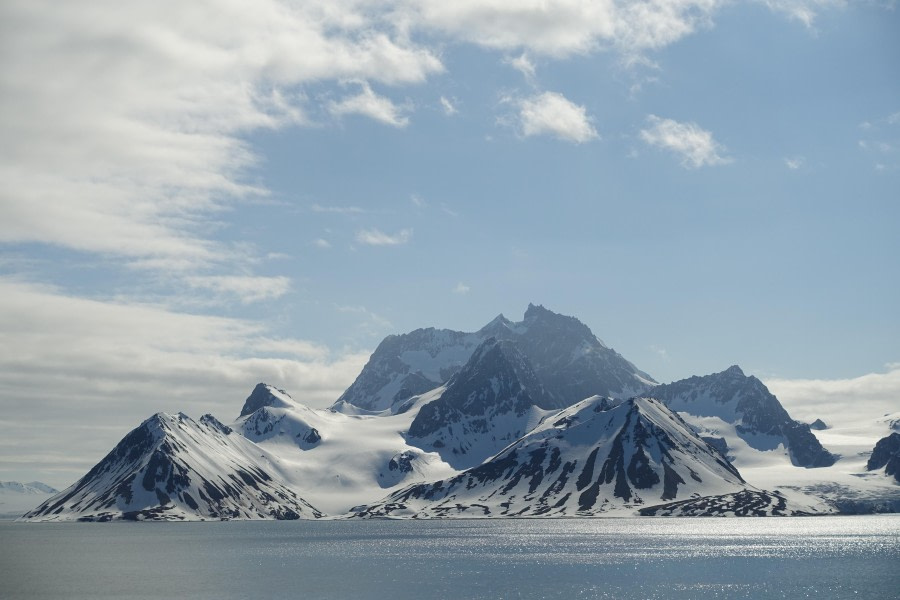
(493, 401)
(737, 408)
(535, 418)
(173, 468)
(568, 359)
(589, 459)
(17, 498)
(335, 460)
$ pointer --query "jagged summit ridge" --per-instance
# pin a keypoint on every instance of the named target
(567, 358)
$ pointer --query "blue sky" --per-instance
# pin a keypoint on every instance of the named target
(197, 199)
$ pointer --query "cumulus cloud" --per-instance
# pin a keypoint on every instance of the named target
(694, 145)
(461, 288)
(76, 374)
(370, 104)
(551, 113)
(376, 237)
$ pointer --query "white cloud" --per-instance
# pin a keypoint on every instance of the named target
(561, 28)
(662, 352)
(553, 114)
(523, 65)
(461, 288)
(695, 145)
(246, 288)
(77, 374)
(859, 400)
(376, 237)
(794, 162)
(321, 243)
(448, 106)
(370, 104)
(124, 128)
(340, 210)
(372, 323)
(804, 11)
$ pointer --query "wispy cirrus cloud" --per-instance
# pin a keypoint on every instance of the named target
(246, 288)
(692, 143)
(448, 106)
(376, 237)
(804, 11)
(340, 210)
(125, 129)
(551, 113)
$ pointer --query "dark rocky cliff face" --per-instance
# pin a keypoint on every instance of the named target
(886, 455)
(485, 406)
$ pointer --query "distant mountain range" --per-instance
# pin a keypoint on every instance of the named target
(534, 418)
(16, 498)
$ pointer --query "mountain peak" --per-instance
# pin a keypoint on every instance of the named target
(535, 311)
(498, 323)
(265, 395)
(734, 371)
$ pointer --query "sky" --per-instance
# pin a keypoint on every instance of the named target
(198, 197)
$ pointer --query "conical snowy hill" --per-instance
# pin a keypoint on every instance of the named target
(174, 468)
(589, 459)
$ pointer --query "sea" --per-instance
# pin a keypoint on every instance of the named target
(779, 557)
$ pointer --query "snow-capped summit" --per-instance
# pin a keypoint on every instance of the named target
(589, 459)
(567, 358)
(266, 395)
(737, 406)
(173, 468)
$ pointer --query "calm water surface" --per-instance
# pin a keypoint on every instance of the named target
(825, 557)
